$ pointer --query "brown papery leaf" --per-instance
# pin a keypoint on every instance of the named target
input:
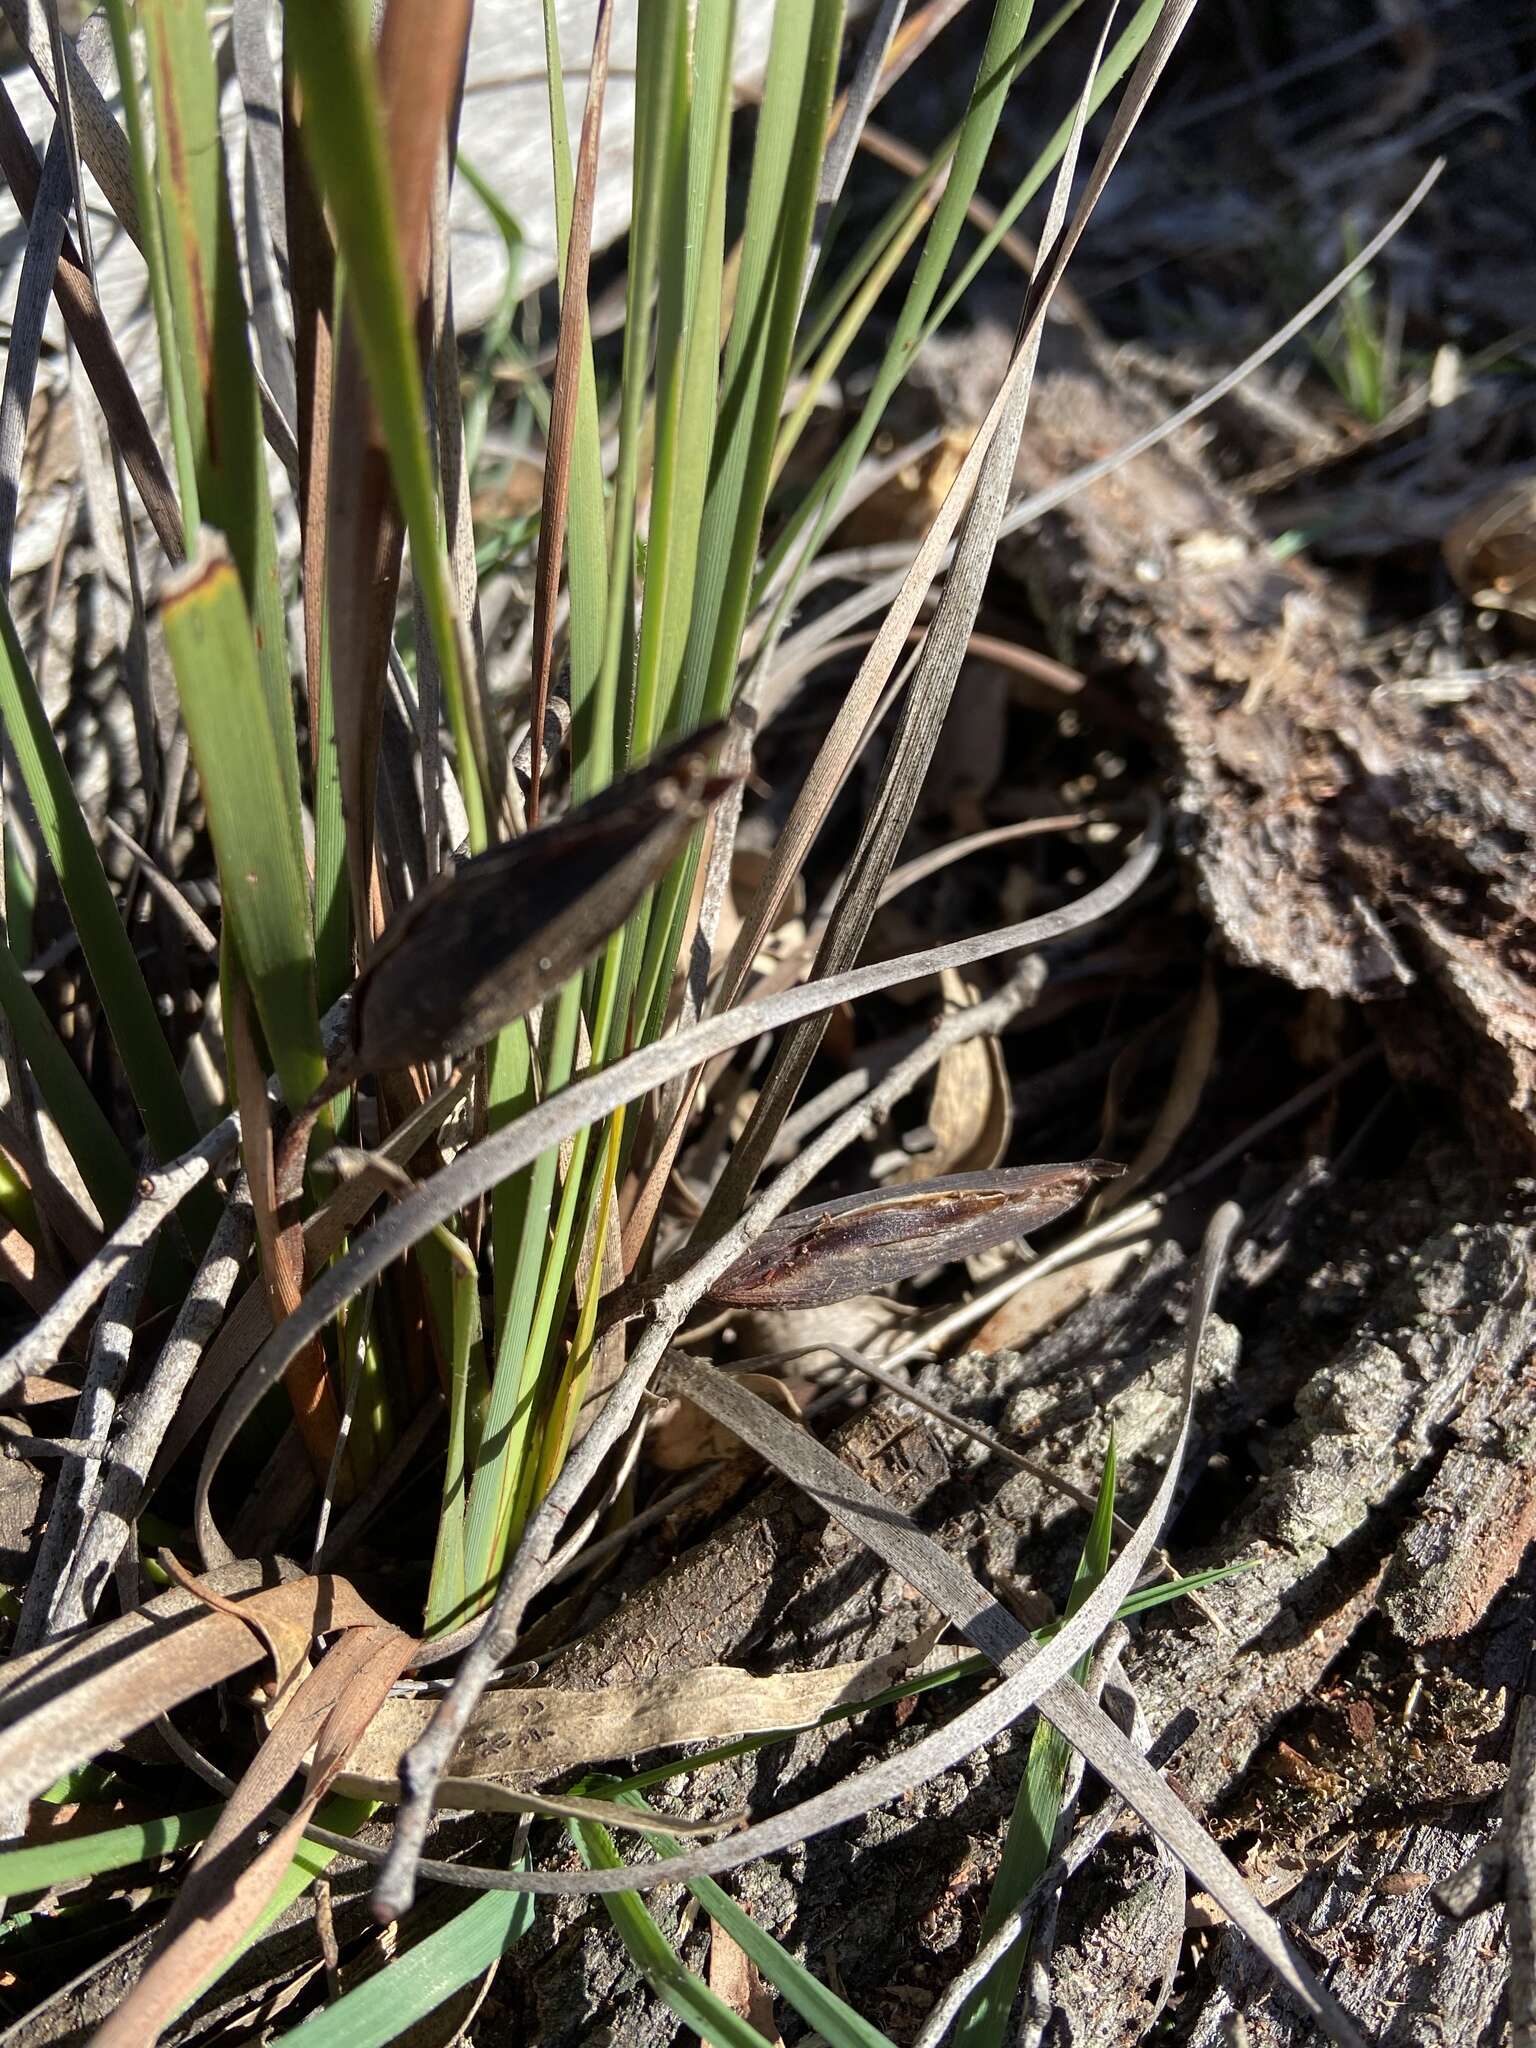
(67, 1703)
(486, 941)
(823, 1254)
(1491, 551)
(971, 1115)
(543, 1730)
(733, 1977)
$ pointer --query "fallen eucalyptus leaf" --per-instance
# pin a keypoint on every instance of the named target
(683, 1437)
(971, 1114)
(543, 1730)
(490, 938)
(822, 1254)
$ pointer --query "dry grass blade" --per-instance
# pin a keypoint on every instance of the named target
(102, 143)
(280, 1244)
(569, 355)
(993, 1445)
(482, 1795)
(420, 61)
(250, 1321)
(916, 35)
(312, 274)
(174, 900)
(109, 1523)
(50, 1605)
(221, 1896)
(45, 238)
(364, 548)
(92, 337)
(266, 234)
(864, 88)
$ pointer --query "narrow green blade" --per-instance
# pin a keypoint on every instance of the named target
(654, 1957)
(104, 1165)
(45, 1864)
(108, 953)
(255, 834)
(1031, 1838)
(416, 1983)
(328, 43)
(832, 2017)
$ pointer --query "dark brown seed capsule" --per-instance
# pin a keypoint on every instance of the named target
(824, 1254)
(487, 940)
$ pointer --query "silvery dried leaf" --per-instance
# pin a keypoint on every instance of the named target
(491, 937)
(823, 1254)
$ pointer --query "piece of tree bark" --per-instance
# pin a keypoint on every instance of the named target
(1366, 837)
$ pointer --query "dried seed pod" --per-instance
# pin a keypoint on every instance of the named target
(491, 937)
(824, 1254)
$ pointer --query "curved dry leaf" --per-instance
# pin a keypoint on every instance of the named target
(735, 1981)
(1192, 1069)
(285, 1633)
(684, 1437)
(483, 1795)
(63, 1705)
(862, 1322)
(1034, 1310)
(971, 1114)
(814, 1256)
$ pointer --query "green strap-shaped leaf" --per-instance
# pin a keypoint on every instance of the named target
(654, 1957)
(328, 45)
(103, 1164)
(416, 1983)
(108, 953)
(46, 1864)
(212, 343)
(261, 862)
(1031, 1839)
(832, 2017)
